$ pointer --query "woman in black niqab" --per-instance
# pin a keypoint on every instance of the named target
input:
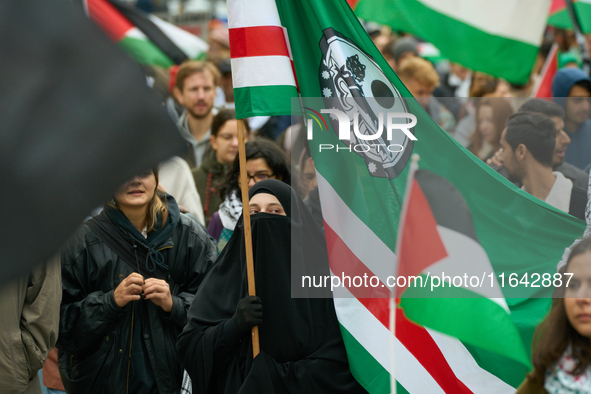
(302, 350)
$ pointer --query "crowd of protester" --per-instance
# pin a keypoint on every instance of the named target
(154, 293)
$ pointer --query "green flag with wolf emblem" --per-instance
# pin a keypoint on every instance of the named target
(351, 99)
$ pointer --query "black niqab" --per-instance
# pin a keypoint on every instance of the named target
(302, 350)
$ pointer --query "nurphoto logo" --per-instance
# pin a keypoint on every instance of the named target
(365, 110)
(369, 140)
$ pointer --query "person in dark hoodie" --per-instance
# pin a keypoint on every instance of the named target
(571, 88)
(129, 276)
(302, 350)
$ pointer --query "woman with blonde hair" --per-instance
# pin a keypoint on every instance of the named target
(129, 276)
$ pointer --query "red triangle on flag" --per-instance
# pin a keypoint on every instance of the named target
(557, 6)
(421, 245)
(543, 88)
(109, 19)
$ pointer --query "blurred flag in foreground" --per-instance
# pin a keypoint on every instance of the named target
(76, 121)
(148, 39)
(559, 16)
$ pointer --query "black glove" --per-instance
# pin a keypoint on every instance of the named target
(249, 313)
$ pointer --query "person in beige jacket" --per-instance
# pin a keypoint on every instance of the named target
(29, 323)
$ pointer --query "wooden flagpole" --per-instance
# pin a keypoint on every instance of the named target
(247, 229)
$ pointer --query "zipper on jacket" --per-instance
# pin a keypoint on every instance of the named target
(132, 321)
(137, 262)
(130, 346)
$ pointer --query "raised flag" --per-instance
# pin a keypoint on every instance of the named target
(76, 121)
(559, 16)
(438, 239)
(146, 38)
(500, 38)
(262, 64)
(543, 88)
(361, 191)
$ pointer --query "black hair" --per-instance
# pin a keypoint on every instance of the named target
(537, 132)
(548, 108)
(277, 161)
(585, 84)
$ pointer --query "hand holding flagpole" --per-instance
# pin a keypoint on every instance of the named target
(247, 229)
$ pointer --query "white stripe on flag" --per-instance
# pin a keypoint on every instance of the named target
(363, 242)
(364, 326)
(262, 71)
(466, 368)
(192, 45)
(134, 32)
(375, 338)
(466, 257)
(244, 13)
(522, 20)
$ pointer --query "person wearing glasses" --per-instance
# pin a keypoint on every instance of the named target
(264, 160)
(223, 149)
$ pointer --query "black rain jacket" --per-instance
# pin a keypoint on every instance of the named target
(96, 334)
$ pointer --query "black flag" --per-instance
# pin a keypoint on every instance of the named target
(76, 121)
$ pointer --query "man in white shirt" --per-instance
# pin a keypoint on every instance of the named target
(528, 143)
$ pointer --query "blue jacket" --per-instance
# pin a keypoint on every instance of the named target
(578, 152)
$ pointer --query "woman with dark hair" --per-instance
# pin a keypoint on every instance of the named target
(302, 350)
(129, 276)
(562, 342)
(224, 149)
(491, 115)
(264, 160)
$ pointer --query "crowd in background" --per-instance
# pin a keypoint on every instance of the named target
(543, 146)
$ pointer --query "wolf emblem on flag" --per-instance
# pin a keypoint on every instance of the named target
(352, 82)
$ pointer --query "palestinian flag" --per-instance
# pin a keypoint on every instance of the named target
(500, 38)
(437, 217)
(146, 38)
(559, 16)
(362, 193)
(543, 88)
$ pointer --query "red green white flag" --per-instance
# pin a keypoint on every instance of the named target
(362, 193)
(262, 64)
(500, 38)
(146, 38)
(438, 238)
(559, 16)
